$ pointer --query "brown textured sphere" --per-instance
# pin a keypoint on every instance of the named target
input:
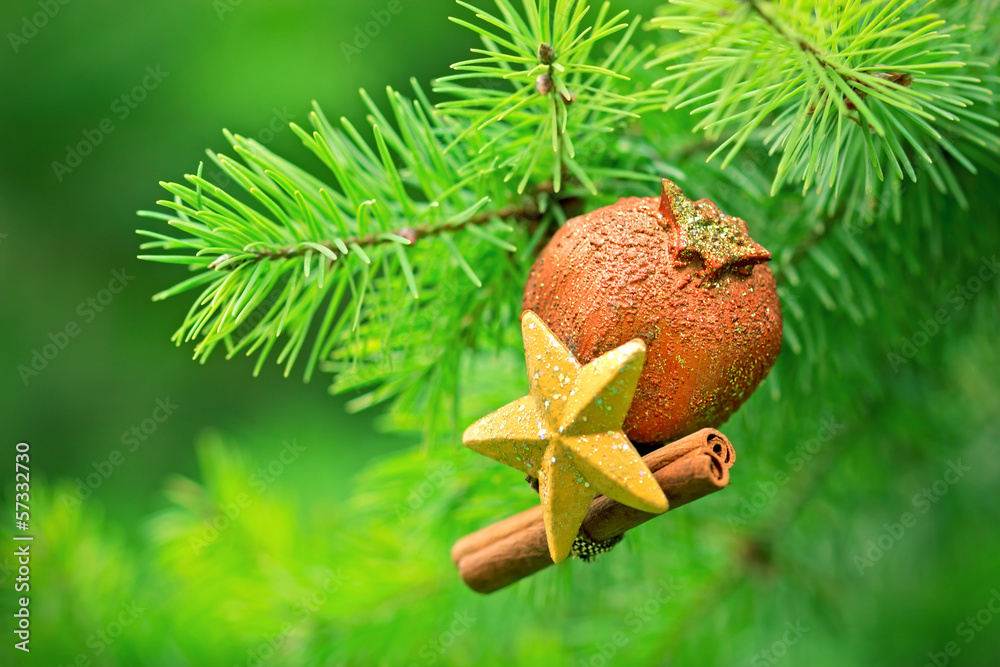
(684, 277)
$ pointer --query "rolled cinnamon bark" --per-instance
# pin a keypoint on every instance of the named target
(693, 476)
(717, 443)
(514, 548)
(494, 533)
(707, 438)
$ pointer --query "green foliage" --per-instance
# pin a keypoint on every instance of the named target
(540, 88)
(882, 112)
(417, 250)
(299, 260)
(231, 571)
(314, 245)
(821, 76)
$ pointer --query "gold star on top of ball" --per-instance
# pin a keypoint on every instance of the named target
(568, 432)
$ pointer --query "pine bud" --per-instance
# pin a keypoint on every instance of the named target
(546, 54)
(543, 84)
(219, 261)
(408, 233)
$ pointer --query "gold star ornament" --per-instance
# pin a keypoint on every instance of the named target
(567, 432)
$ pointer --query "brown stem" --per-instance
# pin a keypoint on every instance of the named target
(859, 87)
(787, 36)
(413, 234)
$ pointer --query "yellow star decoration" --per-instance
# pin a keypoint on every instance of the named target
(568, 432)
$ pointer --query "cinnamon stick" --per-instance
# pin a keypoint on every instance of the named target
(516, 547)
(489, 536)
(708, 438)
(693, 476)
(714, 440)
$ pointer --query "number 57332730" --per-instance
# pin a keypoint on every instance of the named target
(22, 482)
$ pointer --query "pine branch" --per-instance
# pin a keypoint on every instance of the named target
(333, 268)
(410, 252)
(833, 79)
(539, 92)
(291, 250)
(406, 235)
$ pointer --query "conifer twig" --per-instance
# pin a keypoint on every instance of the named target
(410, 234)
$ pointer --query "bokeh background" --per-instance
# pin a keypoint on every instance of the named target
(292, 583)
(229, 65)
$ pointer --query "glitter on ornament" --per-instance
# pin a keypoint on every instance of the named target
(683, 277)
(573, 442)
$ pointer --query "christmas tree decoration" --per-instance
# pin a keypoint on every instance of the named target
(377, 245)
(567, 432)
(680, 275)
(514, 548)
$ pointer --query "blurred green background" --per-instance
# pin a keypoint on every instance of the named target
(236, 66)
(390, 595)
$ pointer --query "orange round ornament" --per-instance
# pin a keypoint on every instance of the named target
(684, 277)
